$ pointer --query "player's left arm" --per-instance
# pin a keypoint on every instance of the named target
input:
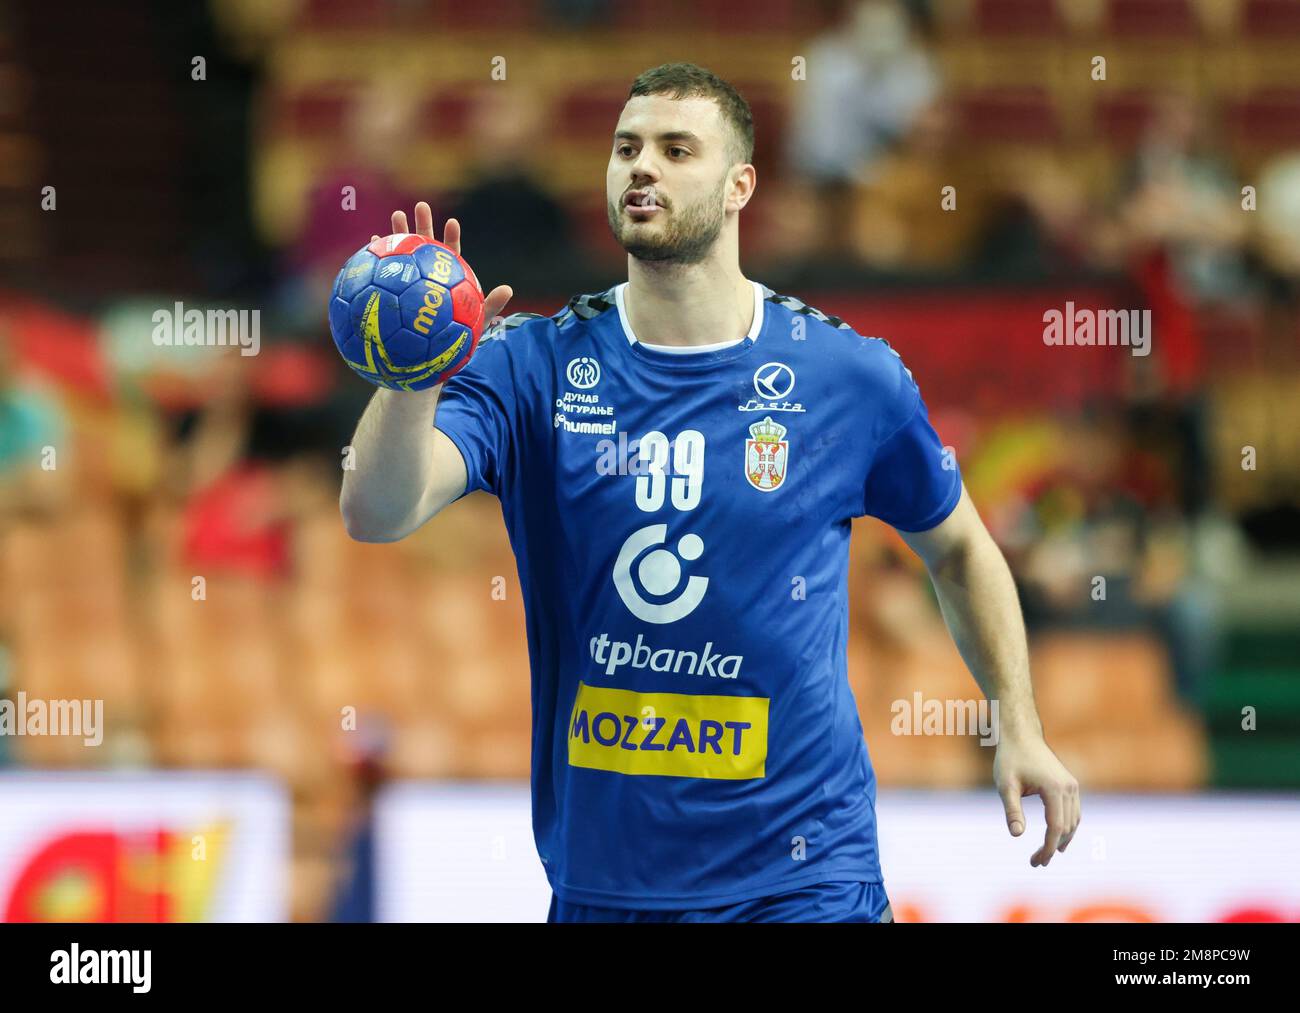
(978, 598)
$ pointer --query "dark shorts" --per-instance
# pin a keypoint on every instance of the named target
(824, 902)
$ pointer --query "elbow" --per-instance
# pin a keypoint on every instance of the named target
(955, 559)
(362, 527)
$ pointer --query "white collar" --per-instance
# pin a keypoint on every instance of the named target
(632, 339)
(691, 349)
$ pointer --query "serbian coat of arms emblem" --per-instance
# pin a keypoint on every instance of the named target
(766, 455)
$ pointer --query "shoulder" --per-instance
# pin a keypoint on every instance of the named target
(515, 330)
(523, 346)
(528, 331)
(583, 310)
(836, 341)
(868, 365)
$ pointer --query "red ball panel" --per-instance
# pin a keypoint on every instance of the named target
(399, 242)
(467, 306)
(469, 271)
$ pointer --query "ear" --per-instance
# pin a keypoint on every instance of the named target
(743, 179)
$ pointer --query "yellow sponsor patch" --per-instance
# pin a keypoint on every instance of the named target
(673, 734)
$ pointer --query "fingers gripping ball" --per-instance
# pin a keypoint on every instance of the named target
(406, 312)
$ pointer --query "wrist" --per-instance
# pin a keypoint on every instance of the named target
(411, 402)
(1018, 725)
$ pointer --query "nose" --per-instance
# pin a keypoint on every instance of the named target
(644, 169)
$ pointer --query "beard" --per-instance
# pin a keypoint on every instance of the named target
(686, 237)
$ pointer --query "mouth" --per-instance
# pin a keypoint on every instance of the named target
(643, 203)
(642, 214)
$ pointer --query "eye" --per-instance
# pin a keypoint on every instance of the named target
(678, 147)
(622, 148)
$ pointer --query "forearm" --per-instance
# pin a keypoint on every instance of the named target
(392, 463)
(977, 596)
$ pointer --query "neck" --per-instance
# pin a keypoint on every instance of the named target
(694, 304)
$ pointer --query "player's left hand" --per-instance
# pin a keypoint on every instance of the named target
(1024, 765)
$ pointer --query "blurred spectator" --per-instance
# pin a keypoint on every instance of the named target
(1041, 222)
(578, 14)
(515, 230)
(364, 761)
(1279, 225)
(380, 125)
(246, 472)
(30, 420)
(1181, 196)
(867, 83)
(1100, 541)
(898, 222)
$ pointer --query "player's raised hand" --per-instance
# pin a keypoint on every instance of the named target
(495, 300)
(1024, 765)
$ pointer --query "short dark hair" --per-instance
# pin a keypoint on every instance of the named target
(688, 80)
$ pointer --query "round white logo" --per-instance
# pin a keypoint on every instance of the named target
(583, 372)
(660, 573)
(773, 381)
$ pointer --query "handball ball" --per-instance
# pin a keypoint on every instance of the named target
(406, 312)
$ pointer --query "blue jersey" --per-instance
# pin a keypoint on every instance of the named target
(681, 527)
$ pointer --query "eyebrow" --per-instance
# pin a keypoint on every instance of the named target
(671, 135)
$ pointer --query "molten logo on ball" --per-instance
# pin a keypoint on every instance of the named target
(406, 312)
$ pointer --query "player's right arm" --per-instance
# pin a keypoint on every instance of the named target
(404, 470)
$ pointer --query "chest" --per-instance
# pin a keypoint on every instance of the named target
(735, 448)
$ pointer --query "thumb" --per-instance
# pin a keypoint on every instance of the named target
(496, 302)
(1011, 803)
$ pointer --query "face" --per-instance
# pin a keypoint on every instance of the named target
(666, 186)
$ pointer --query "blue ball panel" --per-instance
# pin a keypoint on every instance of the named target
(426, 309)
(357, 273)
(384, 313)
(406, 349)
(440, 265)
(454, 333)
(340, 321)
(397, 273)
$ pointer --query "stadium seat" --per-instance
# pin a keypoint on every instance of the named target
(924, 761)
(1269, 19)
(593, 109)
(1008, 115)
(275, 739)
(105, 665)
(1016, 18)
(754, 16)
(1174, 19)
(446, 114)
(1120, 120)
(320, 111)
(1269, 118)
(1169, 755)
(339, 14)
(1100, 679)
(486, 15)
(423, 746)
